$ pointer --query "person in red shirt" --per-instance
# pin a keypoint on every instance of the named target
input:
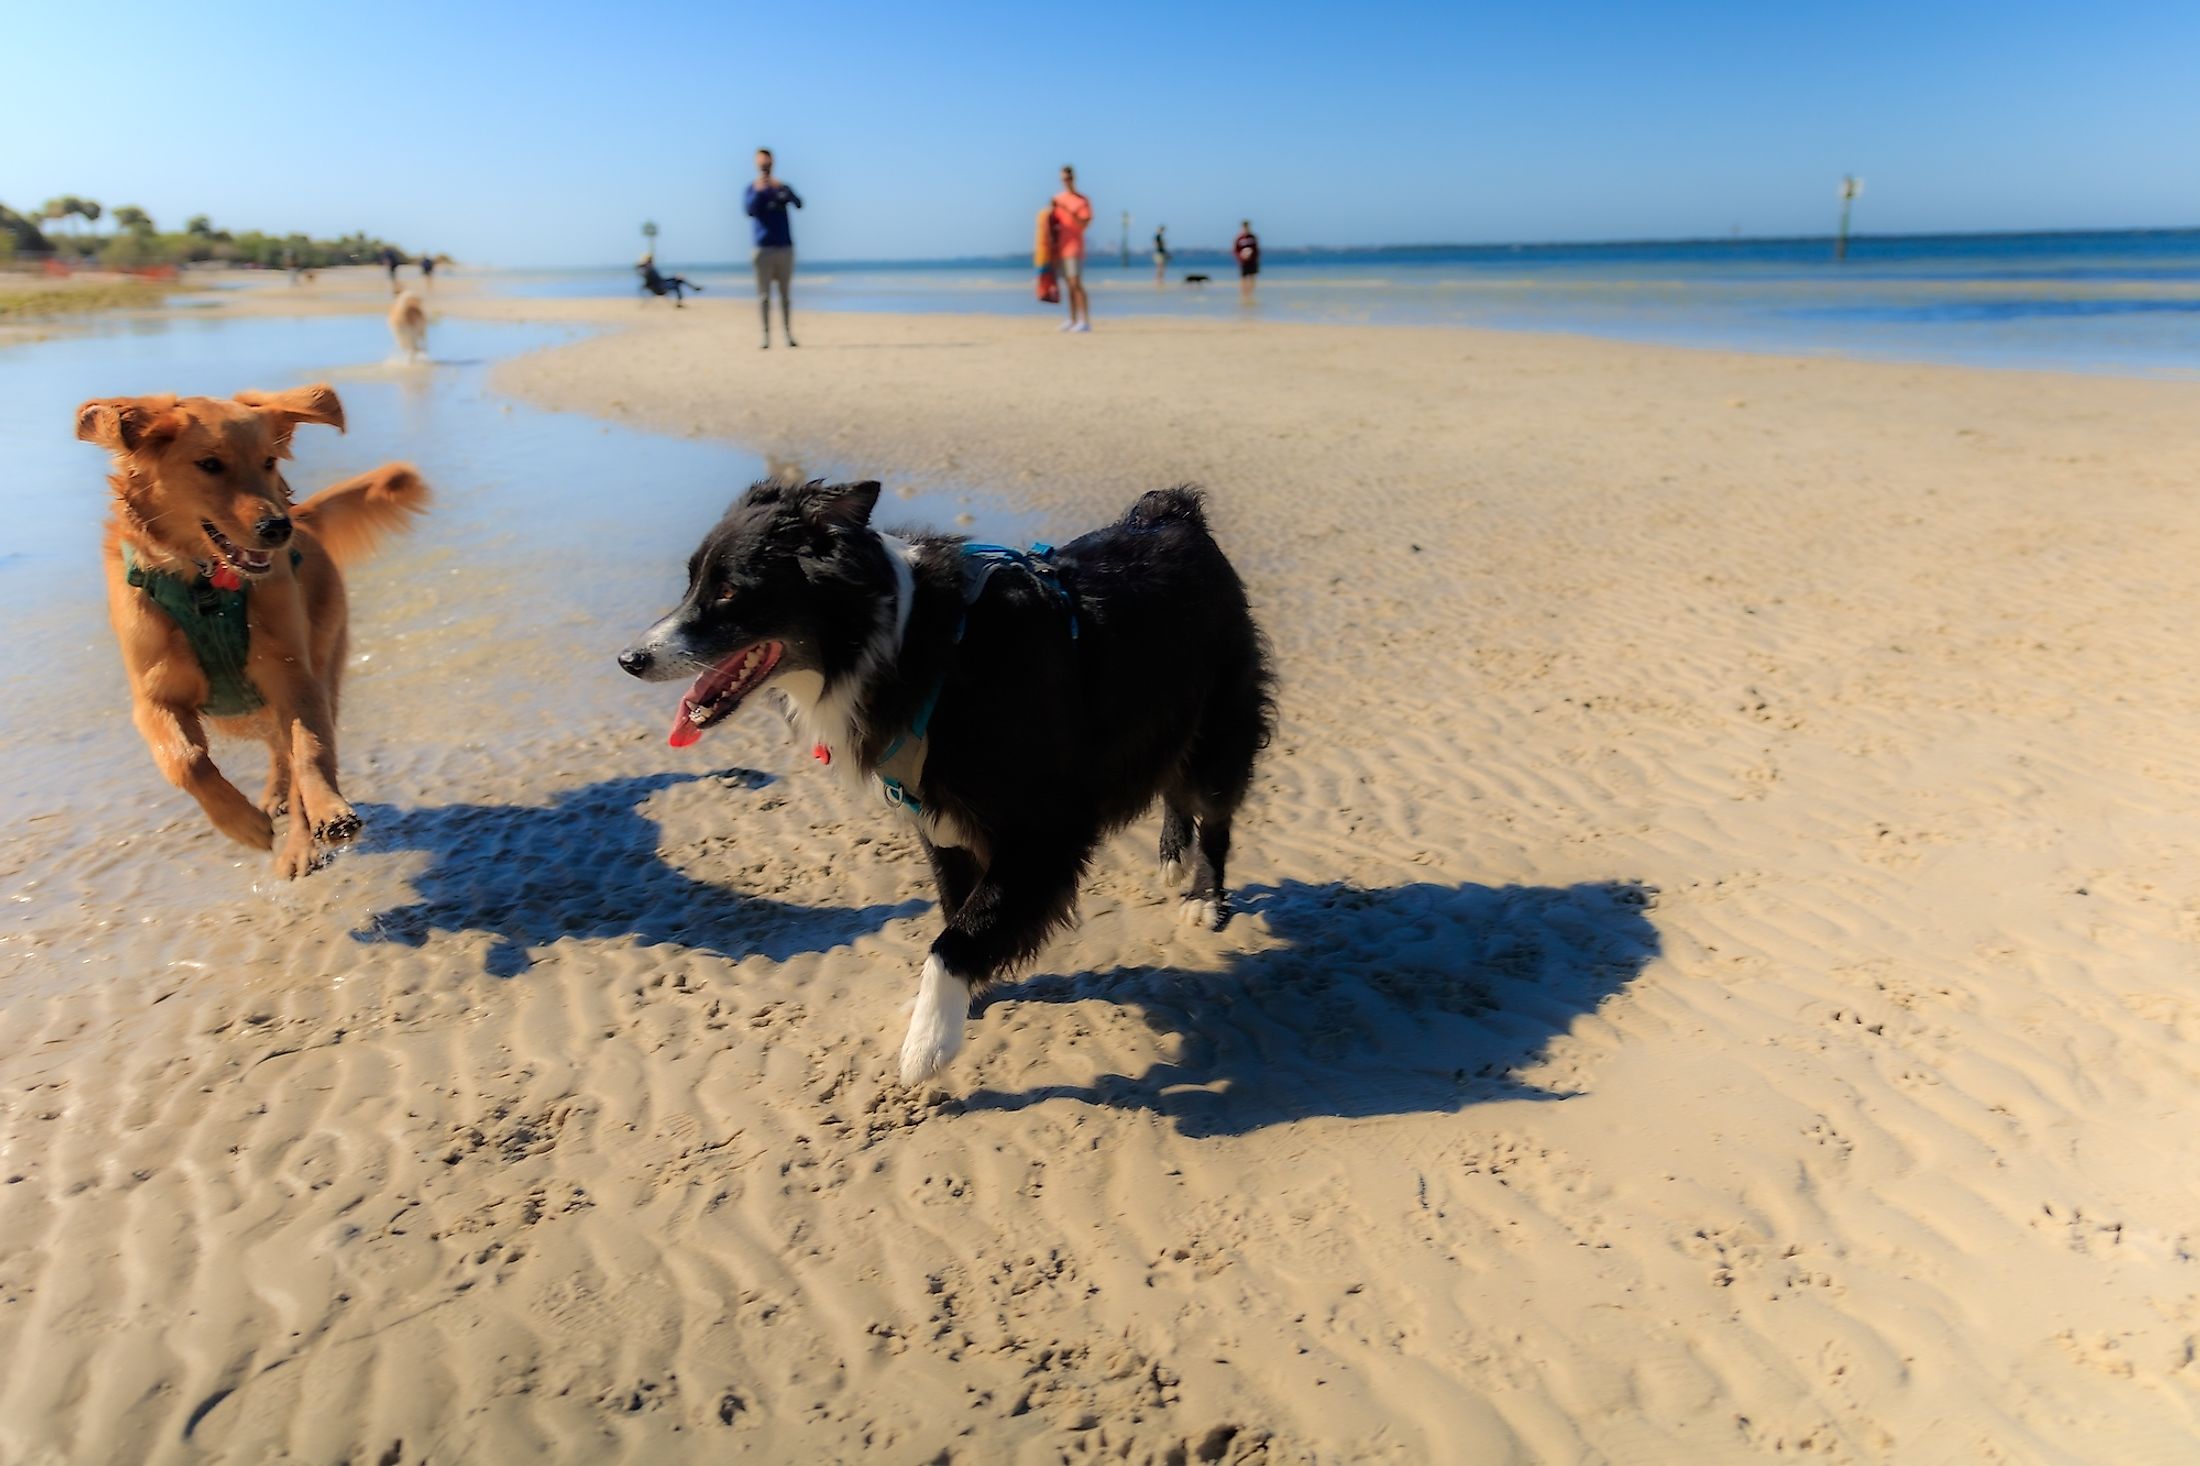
(1247, 249)
(1072, 212)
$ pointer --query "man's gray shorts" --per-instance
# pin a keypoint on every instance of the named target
(774, 262)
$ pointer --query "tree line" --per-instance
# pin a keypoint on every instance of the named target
(66, 228)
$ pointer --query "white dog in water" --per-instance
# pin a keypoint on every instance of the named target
(409, 324)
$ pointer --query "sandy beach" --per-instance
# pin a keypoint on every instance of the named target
(1717, 975)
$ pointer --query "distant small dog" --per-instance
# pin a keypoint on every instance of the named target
(228, 602)
(1197, 279)
(1019, 705)
(409, 324)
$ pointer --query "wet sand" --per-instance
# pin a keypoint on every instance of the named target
(1715, 979)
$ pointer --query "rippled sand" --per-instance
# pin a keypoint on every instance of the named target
(1716, 977)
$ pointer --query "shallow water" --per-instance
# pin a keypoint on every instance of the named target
(2126, 303)
(482, 643)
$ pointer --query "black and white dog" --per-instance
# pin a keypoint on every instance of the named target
(1019, 706)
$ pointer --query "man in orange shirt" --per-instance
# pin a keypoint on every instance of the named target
(1072, 212)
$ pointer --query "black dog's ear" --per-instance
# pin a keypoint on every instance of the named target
(839, 506)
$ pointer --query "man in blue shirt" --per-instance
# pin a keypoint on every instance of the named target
(767, 200)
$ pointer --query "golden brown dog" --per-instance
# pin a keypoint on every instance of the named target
(409, 325)
(228, 600)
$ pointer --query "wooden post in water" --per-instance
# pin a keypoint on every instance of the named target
(1126, 239)
(1851, 186)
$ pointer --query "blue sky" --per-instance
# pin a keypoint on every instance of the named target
(544, 134)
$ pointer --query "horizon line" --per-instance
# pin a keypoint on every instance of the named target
(1855, 236)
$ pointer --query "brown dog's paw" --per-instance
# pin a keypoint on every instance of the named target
(249, 826)
(340, 828)
(274, 805)
(297, 856)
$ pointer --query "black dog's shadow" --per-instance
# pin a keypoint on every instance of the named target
(1405, 1000)
(587, 865)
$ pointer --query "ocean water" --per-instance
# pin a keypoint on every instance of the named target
(2123, 302)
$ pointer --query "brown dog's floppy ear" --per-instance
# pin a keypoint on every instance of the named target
(294, 405)
(845, 505)
(121, 424)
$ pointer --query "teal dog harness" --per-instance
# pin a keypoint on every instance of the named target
(901, 767)
(213, 619)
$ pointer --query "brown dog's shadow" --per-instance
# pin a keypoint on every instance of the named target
(587, 865)
(1412, 999)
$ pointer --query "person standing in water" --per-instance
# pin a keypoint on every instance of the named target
(1161, 256)
(1072, 212)
(390, 261)
(427, 268)
(768, 200)
(1247, 249)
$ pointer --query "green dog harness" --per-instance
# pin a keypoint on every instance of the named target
(214, 621)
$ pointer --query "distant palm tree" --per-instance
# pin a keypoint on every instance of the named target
(649, 233)
(198, 224)
(134, 219)
(69, 206)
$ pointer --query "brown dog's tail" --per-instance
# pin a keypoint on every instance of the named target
(350, 518)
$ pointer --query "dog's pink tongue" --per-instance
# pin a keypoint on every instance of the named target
(684, 731)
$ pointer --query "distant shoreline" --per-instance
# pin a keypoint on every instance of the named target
(1141, 249)
(26, 299)
(2118, 301)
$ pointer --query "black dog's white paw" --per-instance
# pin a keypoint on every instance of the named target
(1207, 913)
(936, 1024)
(1173, 873)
